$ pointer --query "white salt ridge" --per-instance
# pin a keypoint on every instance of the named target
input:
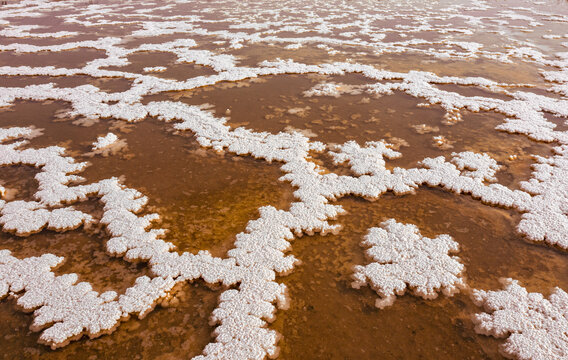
(155, 69)
(546, 218)
(105, 141)
(24, 218)
(535, 327)
(258, 261)
(401, 259)
(76, 309)
(365, 161)
(560, 78)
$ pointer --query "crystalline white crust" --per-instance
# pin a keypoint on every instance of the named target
(401, 259)
(65, 309)
(104, 141)
(155, 69)
(535, 327)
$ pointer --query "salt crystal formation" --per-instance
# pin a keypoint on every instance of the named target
(155, 68)
(107, 145)
(65, 309)
(105, 141)
(404, 259)
(479, 166)
(535, 327)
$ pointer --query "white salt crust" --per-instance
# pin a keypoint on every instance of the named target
(155, 69)
(308, 215)
(23, 31)
(479, 166)
(105, 141)
(259, 253)
(535, 327)
(65, 309)
(401, 259)
(128, 238)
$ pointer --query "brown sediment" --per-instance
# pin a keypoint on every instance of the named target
(21, 180)
(256, 53)
(44, 115)
(177, 71)
(105, 84)
(71, 59)
(273, 105)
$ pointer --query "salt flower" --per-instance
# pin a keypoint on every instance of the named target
(402, 259)
(535, 327)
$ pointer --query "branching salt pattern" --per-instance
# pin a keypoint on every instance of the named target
(401, 259)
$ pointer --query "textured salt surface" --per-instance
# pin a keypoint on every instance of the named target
(402, 258)
(105, 141)
(535, 327)
(65, 309)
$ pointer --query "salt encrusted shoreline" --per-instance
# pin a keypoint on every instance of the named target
(63, 308)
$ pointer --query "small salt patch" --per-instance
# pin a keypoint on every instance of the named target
(104, 141)
(155, 69)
